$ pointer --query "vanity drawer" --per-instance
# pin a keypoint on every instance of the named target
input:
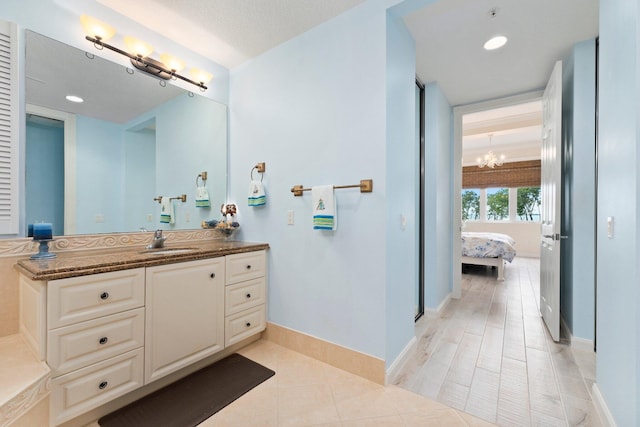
(244, 324)
(76, 393)
(88, 297)
(244, 295)
(246, 266)
(76, 346)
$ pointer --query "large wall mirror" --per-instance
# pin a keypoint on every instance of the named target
(98, 165)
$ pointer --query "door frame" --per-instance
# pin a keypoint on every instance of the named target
(69, 120)
(456, 223)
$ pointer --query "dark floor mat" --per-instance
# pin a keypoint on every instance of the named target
(193, 399)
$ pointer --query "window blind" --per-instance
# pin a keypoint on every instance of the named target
(511, 175)
(8, 129)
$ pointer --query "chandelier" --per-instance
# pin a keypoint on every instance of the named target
(490, 160)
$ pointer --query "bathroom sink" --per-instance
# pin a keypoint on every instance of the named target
(167, 251)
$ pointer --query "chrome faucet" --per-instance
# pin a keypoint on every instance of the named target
(158, 240)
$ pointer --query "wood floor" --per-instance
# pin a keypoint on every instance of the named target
(490, 355)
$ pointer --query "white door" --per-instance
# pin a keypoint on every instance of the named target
(551, 190)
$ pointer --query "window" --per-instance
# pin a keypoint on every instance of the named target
(529, 200)
(497, 204)
(470, 205)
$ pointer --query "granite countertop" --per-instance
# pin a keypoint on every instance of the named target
(81, 263)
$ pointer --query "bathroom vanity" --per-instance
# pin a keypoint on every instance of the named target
(111, 322)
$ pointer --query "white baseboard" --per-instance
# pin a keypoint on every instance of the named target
(399, 361)
(442, 305)
(601, 407)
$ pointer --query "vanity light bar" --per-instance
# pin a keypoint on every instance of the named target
(141, 63)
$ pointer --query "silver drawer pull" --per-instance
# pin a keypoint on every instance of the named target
(248, 295)
(248, 324)
(104, 295)
(103, 340)
(103, 385)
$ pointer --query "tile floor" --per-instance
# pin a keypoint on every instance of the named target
(489, 354)
(306, 392)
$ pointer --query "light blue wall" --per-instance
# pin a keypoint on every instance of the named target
(402, 177)
(438, 189)
(139, 178)
(577, 293)
(99, 154)
(314, 109)
(45, 175)
(618, 326)
(191, 137)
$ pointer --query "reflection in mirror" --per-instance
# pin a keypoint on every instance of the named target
(96, 166)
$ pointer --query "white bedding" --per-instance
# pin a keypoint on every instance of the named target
(488, 245)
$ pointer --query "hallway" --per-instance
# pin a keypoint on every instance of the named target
(490, 355)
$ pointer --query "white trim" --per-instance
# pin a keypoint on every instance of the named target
(601, 407)
(456, 224)
(69, 120)
(394, 369)
(442, 305)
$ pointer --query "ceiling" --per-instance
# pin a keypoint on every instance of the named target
(449, 35)
(230, 31)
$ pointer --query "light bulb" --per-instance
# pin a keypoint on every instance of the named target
(495, 42)
(172, 63)
(201, 76)
(138, 47)
(95, 28)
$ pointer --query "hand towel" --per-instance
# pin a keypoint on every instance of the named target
(202, 197)
(167, 214)
(257, 197)
(324, 207)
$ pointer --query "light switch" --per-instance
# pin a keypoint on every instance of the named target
(149, 218)
(290, 217)
(99, 217)
(610, 227)
(187, 216)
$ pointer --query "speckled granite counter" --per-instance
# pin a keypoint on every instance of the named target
(71, 264)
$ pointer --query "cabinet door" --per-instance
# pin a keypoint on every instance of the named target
(184, 319)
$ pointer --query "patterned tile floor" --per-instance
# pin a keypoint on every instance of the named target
(489, 354)
(306, 392)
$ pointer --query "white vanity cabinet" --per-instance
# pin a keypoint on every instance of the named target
(106, 334)
(245, 296)
(95, 339)
(185, 314)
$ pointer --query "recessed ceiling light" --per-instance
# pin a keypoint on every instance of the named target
(495, 43)
(74, 98)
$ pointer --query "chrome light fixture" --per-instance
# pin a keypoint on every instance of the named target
(490, 160)
(138, 52)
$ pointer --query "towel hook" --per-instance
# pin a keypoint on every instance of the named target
(261, 168)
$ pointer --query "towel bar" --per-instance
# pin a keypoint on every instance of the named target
(183, 198)
(365, 186)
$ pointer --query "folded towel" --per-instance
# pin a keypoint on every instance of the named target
(202, 197)
(167, 214)
(257, 197)
(324, 207)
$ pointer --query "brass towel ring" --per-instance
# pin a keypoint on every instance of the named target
(260, 167)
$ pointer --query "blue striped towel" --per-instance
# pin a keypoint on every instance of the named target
(257, 197)
(324, 207)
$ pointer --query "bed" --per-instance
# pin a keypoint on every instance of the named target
(490, 249)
